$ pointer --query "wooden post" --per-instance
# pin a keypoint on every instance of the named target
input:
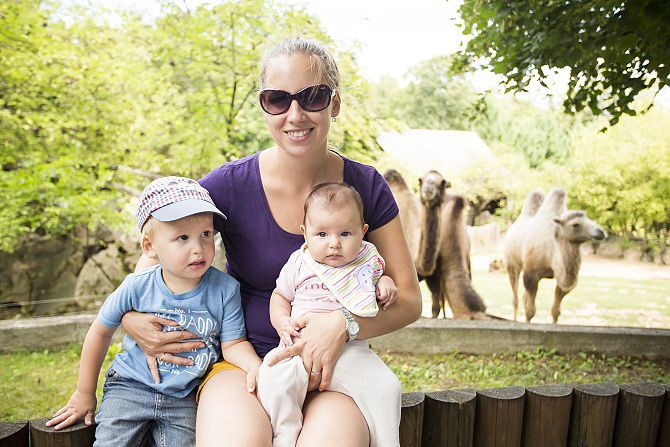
(593, 415)
(411, 419)
(14, 434)
(638, 414)
(546, 416)
(449, 418)
(499, 417)
(76, 435)
(663, 438)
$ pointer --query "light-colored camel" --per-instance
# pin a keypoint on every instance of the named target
(544, 242)
(439, 241)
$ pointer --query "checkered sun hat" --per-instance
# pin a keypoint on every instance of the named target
(171, 198)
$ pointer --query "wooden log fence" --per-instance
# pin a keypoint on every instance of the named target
(592, 415)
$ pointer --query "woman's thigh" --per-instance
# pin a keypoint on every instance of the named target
(332, 419)
(229, 415)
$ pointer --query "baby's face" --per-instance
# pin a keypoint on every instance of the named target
(333, 236)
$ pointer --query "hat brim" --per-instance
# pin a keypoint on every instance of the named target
(185, 208)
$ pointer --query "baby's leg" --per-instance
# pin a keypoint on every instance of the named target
(362, 375)
(282, 389)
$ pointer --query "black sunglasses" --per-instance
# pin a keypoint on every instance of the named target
(312, 99)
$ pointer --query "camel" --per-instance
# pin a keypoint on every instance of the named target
(544, 242)
(439, 242)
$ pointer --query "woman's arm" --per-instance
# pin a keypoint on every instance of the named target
(324, 334)
(392, 246)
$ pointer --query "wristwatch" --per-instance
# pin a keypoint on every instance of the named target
(352, 325)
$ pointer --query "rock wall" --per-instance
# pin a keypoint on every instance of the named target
(45, 276)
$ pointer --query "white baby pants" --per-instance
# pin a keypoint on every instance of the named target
(358, 373)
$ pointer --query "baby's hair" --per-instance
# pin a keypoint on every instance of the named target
(334, 195)
(322, 61)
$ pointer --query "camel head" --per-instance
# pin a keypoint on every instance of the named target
(577, 228)
(433, 186)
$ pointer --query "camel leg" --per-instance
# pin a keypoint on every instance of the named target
(530, 282)
(433, 283)
(513, 273)
(559, 294)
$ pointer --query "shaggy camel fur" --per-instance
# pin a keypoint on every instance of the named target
(544, 242)
(439, 242)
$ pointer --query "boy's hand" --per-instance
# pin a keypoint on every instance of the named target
(252, 378)
(80, 405)
(287, 328)
(387, 292)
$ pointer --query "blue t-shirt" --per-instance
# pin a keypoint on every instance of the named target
(257, 247)
(212, 310)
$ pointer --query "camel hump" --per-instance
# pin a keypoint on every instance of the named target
(533, 202)
(555, 204)
(394, 178)
(456, 204)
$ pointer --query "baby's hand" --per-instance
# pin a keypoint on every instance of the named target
(287, 328)
(387, 292)
(80, 405)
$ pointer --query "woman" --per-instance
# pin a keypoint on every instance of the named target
(263, 196)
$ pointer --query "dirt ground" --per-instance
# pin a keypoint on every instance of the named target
(593, 265)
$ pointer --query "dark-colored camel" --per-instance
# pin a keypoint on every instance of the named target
(439, 241)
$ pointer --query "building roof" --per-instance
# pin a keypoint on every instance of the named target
(447, 151)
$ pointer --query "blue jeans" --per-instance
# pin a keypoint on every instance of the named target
(130, 413)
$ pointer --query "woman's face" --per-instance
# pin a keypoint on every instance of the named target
(298, 131)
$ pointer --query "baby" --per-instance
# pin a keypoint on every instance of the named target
(335, 270)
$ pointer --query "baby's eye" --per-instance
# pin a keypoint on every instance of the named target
(345, 234)
(322, 234)
(206, 233)
(182, 238)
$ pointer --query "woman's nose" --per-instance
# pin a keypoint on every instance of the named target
(295, 112)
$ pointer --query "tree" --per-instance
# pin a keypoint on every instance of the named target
(614, 49)
(622, 178)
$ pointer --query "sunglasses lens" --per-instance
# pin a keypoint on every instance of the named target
(275, 102)
(311, 99)
(314, 98)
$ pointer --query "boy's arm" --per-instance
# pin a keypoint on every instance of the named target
(83, 401)
(240, 353)
(280, 317)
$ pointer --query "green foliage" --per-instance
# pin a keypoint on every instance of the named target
(614, 49)
(623, 176)
(85, 93)
(434, 97)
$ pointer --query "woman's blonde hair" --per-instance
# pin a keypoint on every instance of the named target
(322, 61)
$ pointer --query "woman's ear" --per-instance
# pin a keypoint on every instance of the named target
(336, 105)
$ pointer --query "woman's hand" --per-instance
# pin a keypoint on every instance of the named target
(147, 331)
(321, 343)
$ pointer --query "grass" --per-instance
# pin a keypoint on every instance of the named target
(36, 384)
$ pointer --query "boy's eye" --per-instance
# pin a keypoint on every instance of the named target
(182, 238)
(345, 234)
(206, 233)
(322, 234)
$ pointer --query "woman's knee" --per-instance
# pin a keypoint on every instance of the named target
(333, 419)
(228, 414)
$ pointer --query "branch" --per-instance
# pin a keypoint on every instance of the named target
(149, 175)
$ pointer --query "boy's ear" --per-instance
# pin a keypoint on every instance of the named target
(365, 228)
(302, 228)
(147, 247)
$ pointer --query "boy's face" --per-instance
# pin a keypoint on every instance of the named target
(184, 248)
(333, 236)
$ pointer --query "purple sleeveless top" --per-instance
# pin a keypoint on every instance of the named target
(257, 247)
